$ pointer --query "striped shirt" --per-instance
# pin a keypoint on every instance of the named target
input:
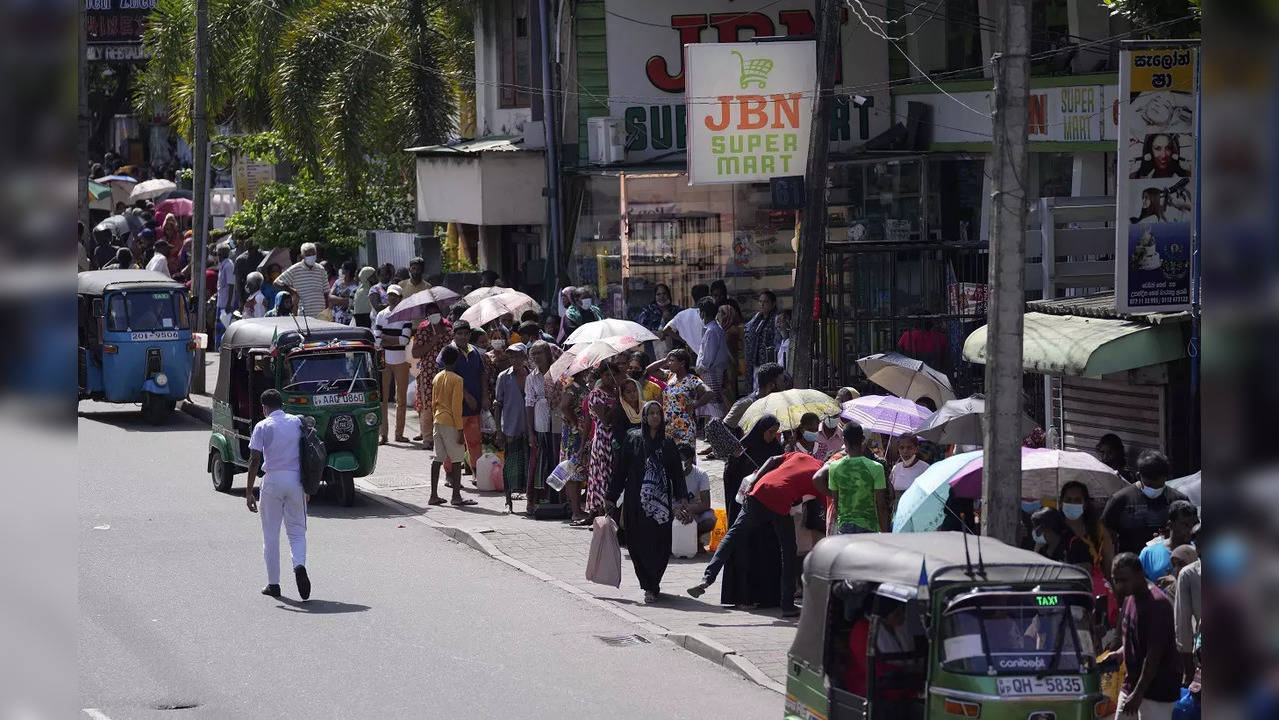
(312, 284)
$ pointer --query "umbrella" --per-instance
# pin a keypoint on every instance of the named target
(1043, 473)
(414, 308)
(178, 193)
(118, 226)
(600, 329)
(907, 377)
(922, 507)
(688, 323)
(479, 294)
(1190, 487)
(180, 207)
(587, 355)
(99, 196)
(121, 186)
(492, 308)
(789, 406)
(150, 188)
(278, 256)
(106, 179)
(960, 422)
(884, 414)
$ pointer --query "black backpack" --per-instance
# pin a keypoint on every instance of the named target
(313, 457)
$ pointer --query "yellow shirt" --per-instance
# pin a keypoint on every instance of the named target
(446, 399)
(408, 288)
(652, 391)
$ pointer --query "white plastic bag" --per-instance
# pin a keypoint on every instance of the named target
(487, 423)
(488, 473)
(745, 488)
(683, 539)
(604, 564)
(565, 472)
(412, 391)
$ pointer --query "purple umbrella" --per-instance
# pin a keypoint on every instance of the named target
(415, 307)
(885, 414)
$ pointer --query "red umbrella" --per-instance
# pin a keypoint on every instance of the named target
(179, 207)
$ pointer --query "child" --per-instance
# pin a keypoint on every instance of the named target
(699, 486)
(446, 408)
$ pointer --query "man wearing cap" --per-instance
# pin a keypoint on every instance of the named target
(391, 337)
(509, 398)
(159, 261)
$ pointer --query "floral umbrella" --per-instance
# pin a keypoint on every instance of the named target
(789, 406)
(885, 414)
(584, 356)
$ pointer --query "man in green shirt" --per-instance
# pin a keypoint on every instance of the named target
(861, 493)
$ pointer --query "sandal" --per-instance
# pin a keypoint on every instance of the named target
(436, 501)
(462, 502)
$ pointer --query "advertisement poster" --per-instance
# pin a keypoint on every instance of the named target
(750, 108)
(1158, 89)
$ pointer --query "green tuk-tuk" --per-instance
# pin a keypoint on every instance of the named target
(328, 373)
(904, 626)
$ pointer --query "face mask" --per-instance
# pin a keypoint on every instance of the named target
(433, 318)
(1030, 506)
(587, 303)
(1152, 493)
(497, 344)
(977, 504)
(309, 260)
(1038, 537)
(1072, 511)
(810, 436)
(831, 423)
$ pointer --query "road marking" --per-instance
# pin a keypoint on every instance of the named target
(96, 714)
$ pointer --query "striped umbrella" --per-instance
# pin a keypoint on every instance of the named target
(885, 414)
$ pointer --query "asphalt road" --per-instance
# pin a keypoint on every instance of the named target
(402, 622)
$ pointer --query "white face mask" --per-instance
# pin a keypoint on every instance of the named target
(433, 318)
(1072, 511)
(587, 303)
(1038, 537)
(810, 436)
(309, 260)
(497, 344)
(831, 423)
(1152, 493)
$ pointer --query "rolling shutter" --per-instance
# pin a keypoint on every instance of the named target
(1087, 409)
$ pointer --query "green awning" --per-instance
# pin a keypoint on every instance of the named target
(1087, 347)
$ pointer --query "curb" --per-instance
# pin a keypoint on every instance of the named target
(199, 412)
(697, 644)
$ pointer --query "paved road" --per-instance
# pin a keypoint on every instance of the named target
(402, 622)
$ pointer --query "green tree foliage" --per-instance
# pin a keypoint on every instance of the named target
(1160, 13)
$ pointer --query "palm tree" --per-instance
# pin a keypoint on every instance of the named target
(346, 83)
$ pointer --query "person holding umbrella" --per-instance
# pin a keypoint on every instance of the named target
(430, 337)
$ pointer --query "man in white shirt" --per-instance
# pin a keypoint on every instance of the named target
(159, 261)
(392, 337)
(308, 281)
(274, 447)
(699, 486)
(226, 289)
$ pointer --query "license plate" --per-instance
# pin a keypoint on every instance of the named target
(347, 399)
(1054, 685)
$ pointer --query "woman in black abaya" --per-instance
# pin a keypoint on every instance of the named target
(752, 578)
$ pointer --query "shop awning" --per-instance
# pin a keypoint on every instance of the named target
(1086, 346)
(486, 181)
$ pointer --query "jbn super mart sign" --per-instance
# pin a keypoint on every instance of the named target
(749, 109)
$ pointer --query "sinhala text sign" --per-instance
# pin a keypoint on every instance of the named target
(1158, 89)
(750, 107)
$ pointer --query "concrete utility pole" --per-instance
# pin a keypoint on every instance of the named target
(812, 236)
(1001, 489)
(82, 121)
(200, 209)
(551, 125)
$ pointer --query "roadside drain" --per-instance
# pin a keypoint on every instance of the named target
(176, 706)
(623, 640)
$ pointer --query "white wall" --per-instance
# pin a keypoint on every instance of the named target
(448, 189)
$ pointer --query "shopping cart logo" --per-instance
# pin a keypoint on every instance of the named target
(754, 71)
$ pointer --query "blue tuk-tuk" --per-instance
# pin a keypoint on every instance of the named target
(135, 343)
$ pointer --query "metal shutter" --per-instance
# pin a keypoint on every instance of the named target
(1087, 409)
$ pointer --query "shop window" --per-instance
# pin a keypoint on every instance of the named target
(1049, 30)
(963, 39)
(513, 55)
(1056, 174)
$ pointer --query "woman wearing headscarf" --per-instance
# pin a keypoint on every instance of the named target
(581, 310)
(753, 578)
(254, 301)
(430, 337)
(651, 473)
(566, 302)
(630, 402)
(361, 306)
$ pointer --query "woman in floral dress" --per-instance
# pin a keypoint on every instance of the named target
(567, 394)
(602, 404)
(428, 340)
(684, 393)
(343, 292)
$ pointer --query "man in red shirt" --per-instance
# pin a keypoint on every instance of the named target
(783, 481)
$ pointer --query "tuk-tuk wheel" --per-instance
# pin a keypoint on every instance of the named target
(156, 409)
(345, 483)
(220, 471)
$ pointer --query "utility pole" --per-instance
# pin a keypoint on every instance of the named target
(200, 209)
(82, 121)
(813, 221)
(551, 125)
(1001, 489)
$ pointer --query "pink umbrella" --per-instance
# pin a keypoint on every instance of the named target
(1043, 472)
(587, 355)
(179, 207)
(415, 307)
(886, 414)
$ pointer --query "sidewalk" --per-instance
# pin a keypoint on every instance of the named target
(753, 644)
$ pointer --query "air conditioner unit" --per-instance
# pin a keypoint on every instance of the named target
(605, 143)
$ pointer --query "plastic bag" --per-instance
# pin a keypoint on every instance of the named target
(488, 473)
(745, 488)
(683, 539)
(565, 472)
(487, 423)
(720, 529)
(604, 564)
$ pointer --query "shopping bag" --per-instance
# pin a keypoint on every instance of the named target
(565, 472)
(604, 564)
(1187, 708)
(720, 529)
(683, 539)
(488, 473)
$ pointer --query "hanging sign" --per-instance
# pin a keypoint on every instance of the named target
(1158, 160)
(750, 107)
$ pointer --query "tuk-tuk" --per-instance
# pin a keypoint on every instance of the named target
(134, 337)
(328, 373)
(904, 626)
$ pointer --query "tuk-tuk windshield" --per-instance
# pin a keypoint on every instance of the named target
(1017, 633)
(337, 372)
(146, 310)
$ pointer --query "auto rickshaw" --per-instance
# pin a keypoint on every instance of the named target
(328, 373)
(134, 338)
(904, 626)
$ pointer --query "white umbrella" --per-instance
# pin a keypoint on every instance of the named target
(492, 308)
(479, 294)
(1044, 471)
(907, 377)
(587, 355)
(1190, 487)
(600, 329)
(121, 186)
(960, 422)
(688, 323)
(148, 189)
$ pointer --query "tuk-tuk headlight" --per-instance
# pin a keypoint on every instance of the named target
(161, 379)
(342, 427)
(370, 419)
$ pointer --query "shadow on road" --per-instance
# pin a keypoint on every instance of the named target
(320, 607)
(673, 601)
(133, 421)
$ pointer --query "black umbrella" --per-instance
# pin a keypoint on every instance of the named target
(179, 193)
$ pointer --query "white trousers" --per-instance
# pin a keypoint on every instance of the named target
(1149, 710)
(282, 500)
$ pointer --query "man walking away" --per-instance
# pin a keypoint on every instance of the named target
(274, 447)
(1153, 680)
(447, 396)
(858, 486)
(783, 481)
(391, 337)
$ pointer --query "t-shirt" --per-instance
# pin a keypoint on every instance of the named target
(535, 397)
(855, 480)
(787, 483)
(226, 284)
(312, 284)
(446, 399)
(1135, 518)
(510, 395)
(1147, 624)
(903, 476)
(408, 288)
(392, 336)
(1156, 559)
(697, 482)
(471, 367)
(159, 263)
